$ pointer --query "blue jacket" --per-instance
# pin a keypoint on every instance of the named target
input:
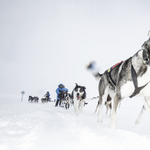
(60, 89)
(47, 94)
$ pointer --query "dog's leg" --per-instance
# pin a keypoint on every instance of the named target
(147, 103)
(107, 107)
(76, 109)
(68, 104)
(97, 107)
(145, 107)
(100, 105)
(100, 113)
(140, 115)
(114, 111)
(110, 107)
(81, 106)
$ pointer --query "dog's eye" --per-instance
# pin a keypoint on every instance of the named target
(81, 90)
(146, 59)
(76, 89)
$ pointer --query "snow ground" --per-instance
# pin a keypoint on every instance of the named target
(38, 126)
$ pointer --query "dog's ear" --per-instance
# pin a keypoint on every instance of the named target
(84, 95)
(149, 33)
(76, 84)
(84, 87)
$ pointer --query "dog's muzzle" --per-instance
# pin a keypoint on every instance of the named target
(78, 96)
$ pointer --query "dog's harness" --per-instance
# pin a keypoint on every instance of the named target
(135, 82)
(133, 76)
(109, 73)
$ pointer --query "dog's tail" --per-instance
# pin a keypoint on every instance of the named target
(94, 70)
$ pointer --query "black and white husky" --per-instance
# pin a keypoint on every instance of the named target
(78, 96)
(67, 101)
(127, 79)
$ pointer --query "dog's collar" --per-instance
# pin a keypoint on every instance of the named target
(135, 82)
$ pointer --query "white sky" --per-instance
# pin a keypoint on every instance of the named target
(47, 42)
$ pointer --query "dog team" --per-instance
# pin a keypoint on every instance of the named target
(64, 99)
(43, 100)
(129, 78)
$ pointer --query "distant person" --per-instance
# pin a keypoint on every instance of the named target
(47, 96)
(61, 90)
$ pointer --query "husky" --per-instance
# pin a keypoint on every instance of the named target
(107, 81)
(30, 99)
(67, 101)
(78, 96)
(33, 99)
(36, 99)
(129, 78)
(43, 100)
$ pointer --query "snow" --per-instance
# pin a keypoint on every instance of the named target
(38, 126)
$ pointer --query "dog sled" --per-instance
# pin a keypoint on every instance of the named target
(45, 99)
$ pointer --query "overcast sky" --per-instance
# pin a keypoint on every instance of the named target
(48, 42)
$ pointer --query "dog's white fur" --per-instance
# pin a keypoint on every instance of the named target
(78, 104)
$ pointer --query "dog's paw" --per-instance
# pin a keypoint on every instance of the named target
(113, 126)
(136, 122)
(99, 121)
(77, 113)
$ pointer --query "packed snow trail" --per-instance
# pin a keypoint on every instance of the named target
(38, 126)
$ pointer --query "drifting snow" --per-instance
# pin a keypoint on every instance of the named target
(38, 126)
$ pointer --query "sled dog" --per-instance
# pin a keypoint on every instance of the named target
(78, 96)
(127, 79)
(67, 101)
(33, 99)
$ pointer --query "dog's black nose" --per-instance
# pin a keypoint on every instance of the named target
(78, 94)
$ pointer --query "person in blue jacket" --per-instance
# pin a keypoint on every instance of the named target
(61, 90)
(47, 96)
